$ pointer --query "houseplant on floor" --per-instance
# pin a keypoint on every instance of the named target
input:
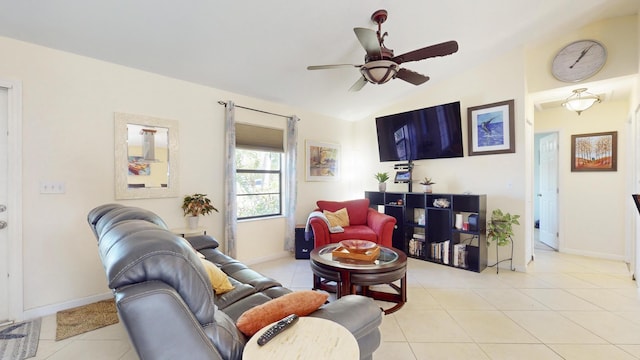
(382, 177)
(196, 205)
(500, 230)
(426, 185)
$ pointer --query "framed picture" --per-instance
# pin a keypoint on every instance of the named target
(491, 129)
(594, 152)
(323, 161)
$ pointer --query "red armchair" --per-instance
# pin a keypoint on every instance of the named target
(365, 223)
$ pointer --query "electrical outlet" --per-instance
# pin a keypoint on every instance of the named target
(52, 187)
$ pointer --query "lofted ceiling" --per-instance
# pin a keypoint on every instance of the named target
(261, 48)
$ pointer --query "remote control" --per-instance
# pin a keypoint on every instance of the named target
(277, 328)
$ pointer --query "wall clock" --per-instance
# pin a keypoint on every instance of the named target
(578, 61)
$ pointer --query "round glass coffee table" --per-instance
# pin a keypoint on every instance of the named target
(356, 276)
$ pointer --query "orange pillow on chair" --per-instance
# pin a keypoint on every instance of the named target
(337, 218)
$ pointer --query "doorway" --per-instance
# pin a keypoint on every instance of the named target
(11, 294)
(546, 235)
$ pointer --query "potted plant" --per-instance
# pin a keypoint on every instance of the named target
(426, 185)
(382, 177)
(196, 205)
(500, 227)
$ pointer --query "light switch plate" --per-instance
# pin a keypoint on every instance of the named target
(52, 187)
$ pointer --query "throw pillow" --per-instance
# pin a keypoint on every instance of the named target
(219, 280)
(357, 209)
(301, 303)
(338, 218)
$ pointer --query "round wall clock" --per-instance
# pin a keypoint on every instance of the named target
(579, 60)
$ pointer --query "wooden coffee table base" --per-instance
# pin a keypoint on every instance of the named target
(399, 297)
(345, 279)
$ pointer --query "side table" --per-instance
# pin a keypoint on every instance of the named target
(184, 232)
(309, 338)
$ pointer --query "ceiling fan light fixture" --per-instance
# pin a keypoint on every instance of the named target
(379, 71)
(580, 100)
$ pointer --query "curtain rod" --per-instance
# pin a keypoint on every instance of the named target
(260, 111)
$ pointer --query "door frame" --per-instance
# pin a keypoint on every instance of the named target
(14, 197)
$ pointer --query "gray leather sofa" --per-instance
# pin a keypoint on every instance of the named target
(167, 304)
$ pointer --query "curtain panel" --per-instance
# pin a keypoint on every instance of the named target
(291, 184)
(231, 222)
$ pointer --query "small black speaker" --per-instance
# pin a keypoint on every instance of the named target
(473, 222)
(303, 246)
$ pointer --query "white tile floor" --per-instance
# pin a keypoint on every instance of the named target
(565, 307)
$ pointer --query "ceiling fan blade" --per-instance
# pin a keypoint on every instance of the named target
(411, 77)
(369, 41)
(358, 84)
(336, 66)
(442, 49)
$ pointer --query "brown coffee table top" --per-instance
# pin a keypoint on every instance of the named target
(389, 259)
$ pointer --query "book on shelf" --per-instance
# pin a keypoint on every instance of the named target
(419, 236)
(416, 247)
(440, 251)
(459, 255)
(445, 251)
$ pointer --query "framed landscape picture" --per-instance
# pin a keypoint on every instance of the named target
(491, 129)
(323, 161)
(594, 152)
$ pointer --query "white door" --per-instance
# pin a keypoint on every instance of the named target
(4, 238)
(548, 185)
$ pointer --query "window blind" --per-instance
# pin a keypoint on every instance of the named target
(260, 138)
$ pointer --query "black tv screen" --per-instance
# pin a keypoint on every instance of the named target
(430, 133)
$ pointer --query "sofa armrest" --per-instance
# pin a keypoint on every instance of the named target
(360, 315)
(321, 235)
(161, 326)
(383, 225)
(201, 242)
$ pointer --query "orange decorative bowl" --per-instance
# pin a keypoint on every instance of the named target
(358, 246)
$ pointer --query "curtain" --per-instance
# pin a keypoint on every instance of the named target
(231, 222)
(291, 185)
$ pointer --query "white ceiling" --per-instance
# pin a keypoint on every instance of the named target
(262, 48)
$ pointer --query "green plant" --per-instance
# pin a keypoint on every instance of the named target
(426, 181)
(500, 227)
(197, 204)
(381, 176)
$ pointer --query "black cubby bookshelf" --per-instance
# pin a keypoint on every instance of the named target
(428, 232)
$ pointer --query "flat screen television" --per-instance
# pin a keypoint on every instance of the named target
(430, 133)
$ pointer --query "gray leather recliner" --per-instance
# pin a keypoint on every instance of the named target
(165, 300)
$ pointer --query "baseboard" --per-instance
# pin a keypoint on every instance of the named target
(259, 260)
(596, 255)
(52, 309)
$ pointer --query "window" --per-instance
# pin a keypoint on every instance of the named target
(258, 171)
(258, 183)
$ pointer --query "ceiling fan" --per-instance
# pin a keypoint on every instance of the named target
(380, 65)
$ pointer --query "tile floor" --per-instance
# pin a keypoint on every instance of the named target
(565, 307)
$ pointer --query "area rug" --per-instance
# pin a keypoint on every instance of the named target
(20, 341)
(85, 318)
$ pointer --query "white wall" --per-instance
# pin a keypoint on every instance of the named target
(502, 176)
(619, 36)
(591, 204)
(582, 229)
(68, 107)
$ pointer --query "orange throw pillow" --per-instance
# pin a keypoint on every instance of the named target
(337, 218)
(301, 303)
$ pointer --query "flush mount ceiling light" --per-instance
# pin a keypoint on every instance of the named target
(580, 100)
